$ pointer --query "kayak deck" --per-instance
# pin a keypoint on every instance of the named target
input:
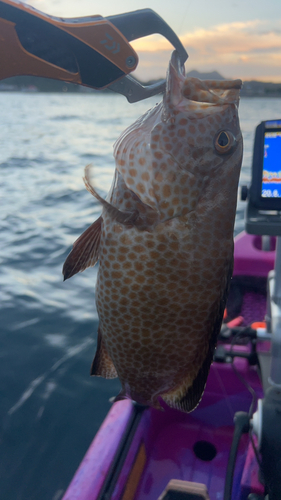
(138, 450)
(193, 447)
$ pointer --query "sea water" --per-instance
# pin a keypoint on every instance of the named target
(50, 407)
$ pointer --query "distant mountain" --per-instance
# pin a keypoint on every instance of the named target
(213, 75)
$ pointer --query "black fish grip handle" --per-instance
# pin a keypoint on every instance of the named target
(136, 25)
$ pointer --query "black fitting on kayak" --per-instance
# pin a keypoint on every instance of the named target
(242, 426)
(243, 331)
(221, 355)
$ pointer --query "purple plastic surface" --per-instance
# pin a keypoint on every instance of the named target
(169, 436)
(249, 259)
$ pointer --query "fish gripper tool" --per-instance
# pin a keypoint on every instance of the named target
(93, 51)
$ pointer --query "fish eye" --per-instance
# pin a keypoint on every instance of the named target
(224, 141)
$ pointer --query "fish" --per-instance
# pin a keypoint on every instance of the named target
(164, 242)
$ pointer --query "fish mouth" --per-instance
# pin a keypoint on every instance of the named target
(190, 92)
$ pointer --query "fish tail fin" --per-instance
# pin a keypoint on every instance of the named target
(85, 251)
(102, 365)
(188, 394)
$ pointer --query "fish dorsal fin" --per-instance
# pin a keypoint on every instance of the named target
(85, 251)
(102, 365)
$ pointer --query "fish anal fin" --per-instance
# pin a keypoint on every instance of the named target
(85, 251)
(102, 365)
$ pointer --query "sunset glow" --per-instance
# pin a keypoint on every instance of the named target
(250, 50)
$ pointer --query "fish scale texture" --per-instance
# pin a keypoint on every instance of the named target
(164, 271)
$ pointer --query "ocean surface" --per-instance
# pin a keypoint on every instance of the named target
(50, 408)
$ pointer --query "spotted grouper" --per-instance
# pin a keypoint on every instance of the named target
(164, 242)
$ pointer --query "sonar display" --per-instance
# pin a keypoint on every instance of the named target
(271, 175)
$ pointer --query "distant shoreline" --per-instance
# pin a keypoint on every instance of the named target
(104, 92)
(32, 84)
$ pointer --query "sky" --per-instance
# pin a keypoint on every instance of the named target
(237, 38)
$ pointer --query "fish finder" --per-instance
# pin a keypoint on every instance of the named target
(263, 215)
(265, 191)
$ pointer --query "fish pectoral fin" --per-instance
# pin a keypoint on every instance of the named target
(102, 365)
(126, 218)
(85, 251)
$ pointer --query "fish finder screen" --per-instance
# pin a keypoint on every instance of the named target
(271, 174)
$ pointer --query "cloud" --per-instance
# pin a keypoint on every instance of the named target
(240, 49)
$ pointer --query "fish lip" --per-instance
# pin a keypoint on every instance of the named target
(180, 89)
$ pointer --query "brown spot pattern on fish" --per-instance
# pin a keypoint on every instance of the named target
(166, 242)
